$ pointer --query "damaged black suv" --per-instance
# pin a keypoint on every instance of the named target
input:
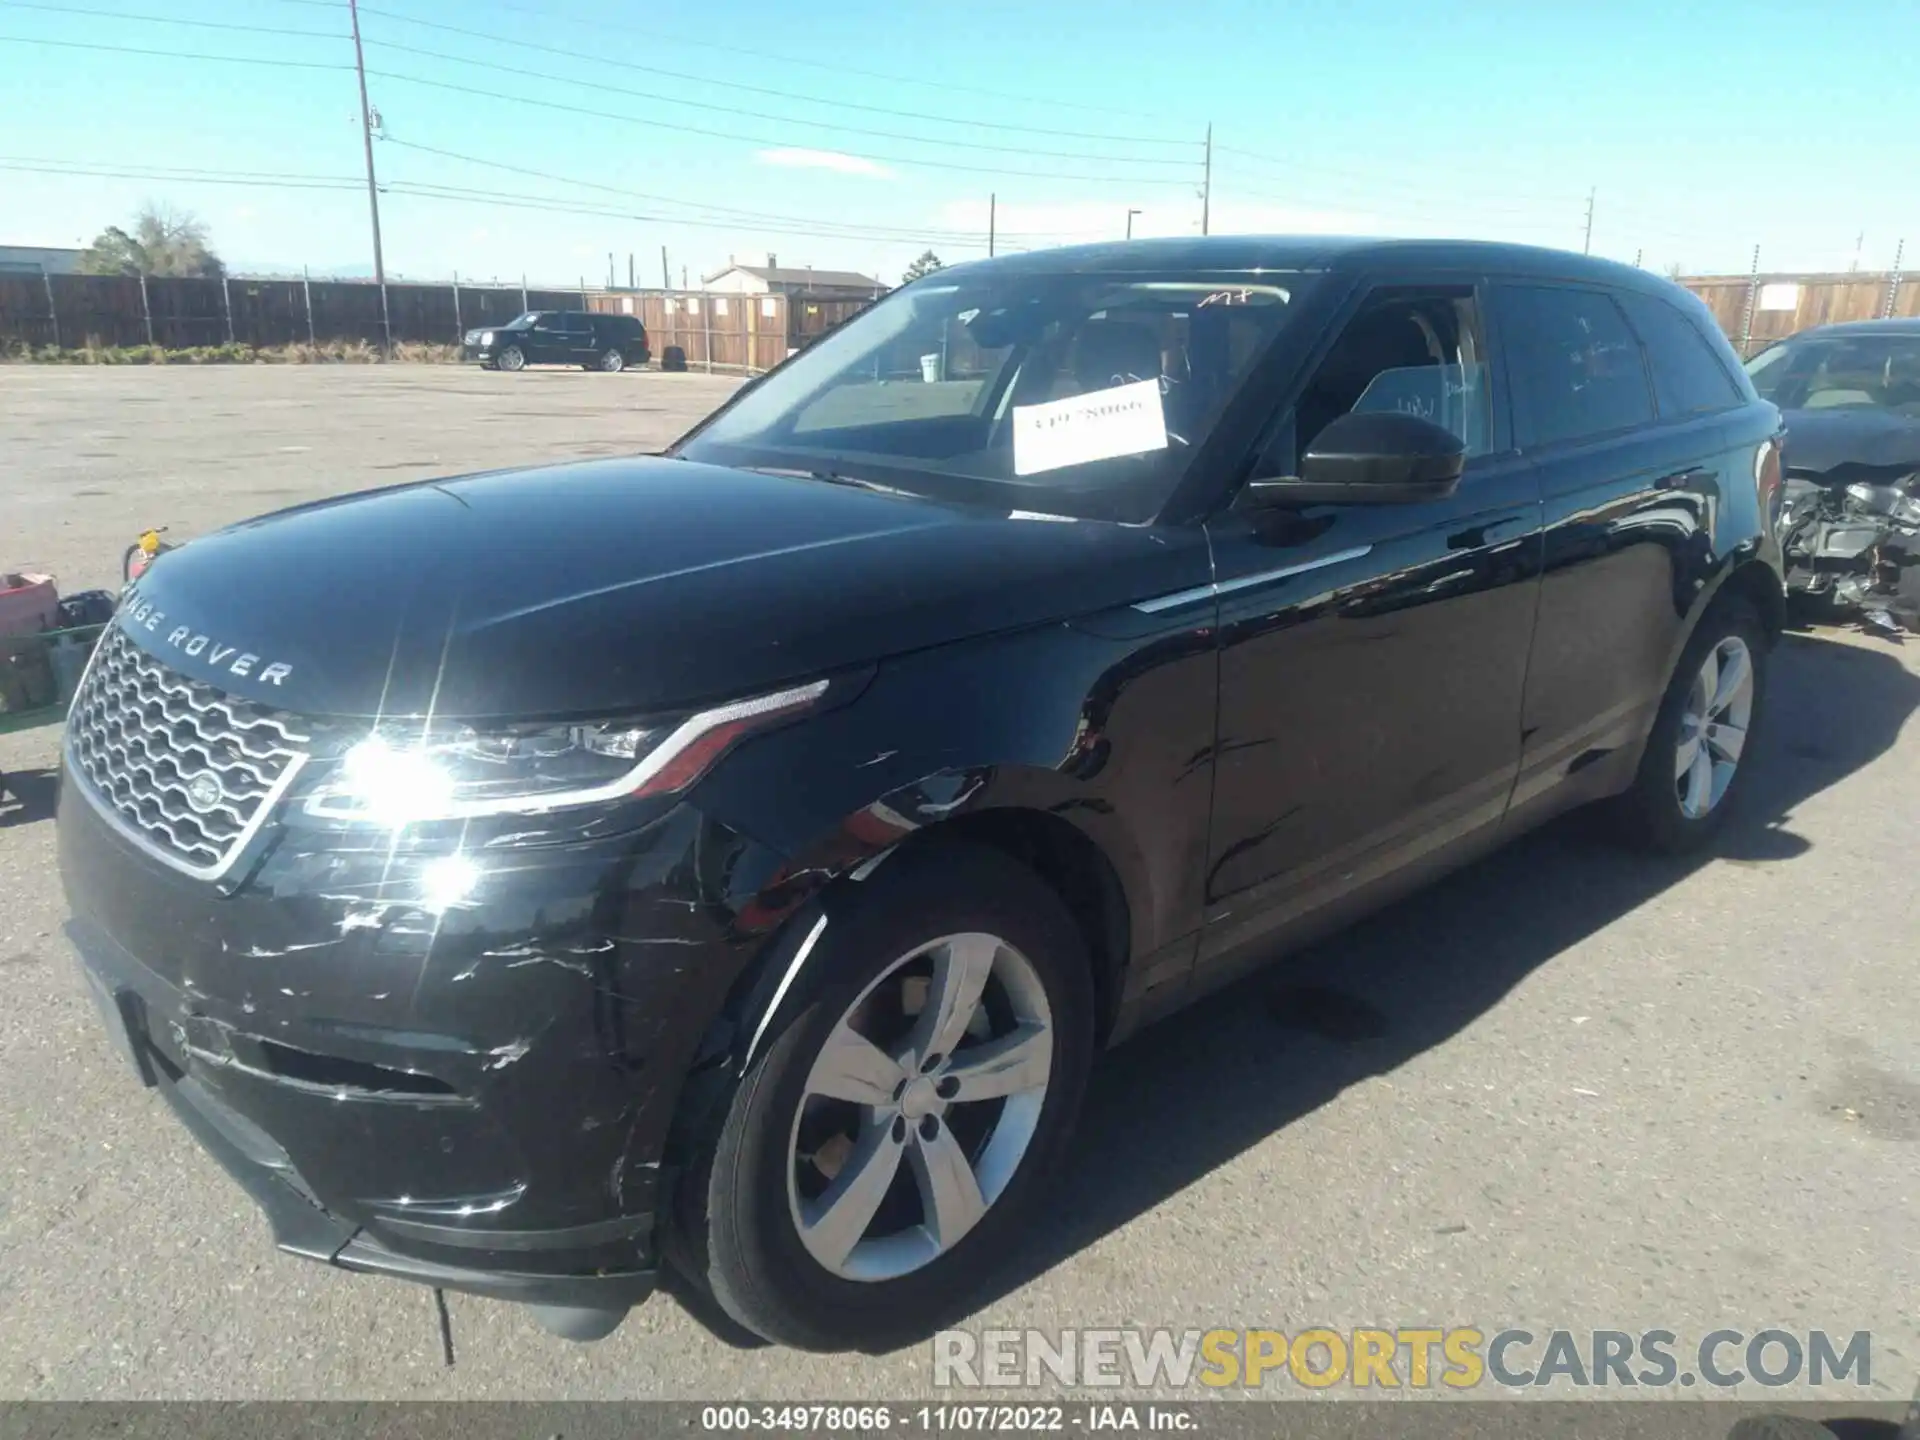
(735, 858)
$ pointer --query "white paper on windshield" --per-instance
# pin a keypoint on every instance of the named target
(1099, 425)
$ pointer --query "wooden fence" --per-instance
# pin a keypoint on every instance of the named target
(1783, 305)
(728, 332)
(721, 332)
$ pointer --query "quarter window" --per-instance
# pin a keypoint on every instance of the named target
(1688, 378)
(1577, 369)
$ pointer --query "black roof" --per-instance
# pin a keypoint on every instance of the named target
(1899, 325)
(1311, 252)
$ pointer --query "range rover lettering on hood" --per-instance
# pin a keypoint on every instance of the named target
(139, 614)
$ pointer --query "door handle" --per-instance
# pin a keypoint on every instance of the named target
(1476, 537)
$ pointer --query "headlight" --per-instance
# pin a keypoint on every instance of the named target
(486, 337)
(398, 778)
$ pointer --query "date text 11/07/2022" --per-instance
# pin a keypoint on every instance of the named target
(941, 1419)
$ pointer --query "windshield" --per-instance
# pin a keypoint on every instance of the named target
(526, 321)
(1841, 372)
(1084, 395)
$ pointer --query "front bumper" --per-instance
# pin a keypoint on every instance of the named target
(538, 1267)
(478, 1099)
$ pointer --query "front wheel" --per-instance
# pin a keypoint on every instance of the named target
(886, 1143)
(1699, 750)
(512, 358)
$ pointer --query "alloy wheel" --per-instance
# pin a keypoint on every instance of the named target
(920, 1107)
(613, 360)
(1713, 727)
(511, 358)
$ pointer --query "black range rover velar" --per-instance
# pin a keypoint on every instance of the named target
(734, 859)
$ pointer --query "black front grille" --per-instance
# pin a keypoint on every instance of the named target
(188, 770)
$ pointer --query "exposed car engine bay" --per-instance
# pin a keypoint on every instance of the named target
(1852, 536)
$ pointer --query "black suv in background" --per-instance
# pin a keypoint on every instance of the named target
(561, 337)
(735, 858)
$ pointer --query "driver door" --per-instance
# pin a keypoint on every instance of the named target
(1373, 656)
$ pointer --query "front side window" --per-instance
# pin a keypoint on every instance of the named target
(1577, 369)
(1688, 378)
(1084, 395)
(1841, 372)
(526, 321)
(1418, 351)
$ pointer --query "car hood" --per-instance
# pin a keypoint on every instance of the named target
(1847, 444)
(616, 585)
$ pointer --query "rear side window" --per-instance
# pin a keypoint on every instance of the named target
(1577, 369)
(1688, 378)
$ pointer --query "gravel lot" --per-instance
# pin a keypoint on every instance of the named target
(1567, 1088)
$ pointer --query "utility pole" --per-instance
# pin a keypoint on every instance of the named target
(1858, 241)
(610, 279)
(1893, 280)
(666, 275)
(1586, 246)
(1130, 215)
(992, 202)
(373, 190)
(1206, 183)
(630, 284)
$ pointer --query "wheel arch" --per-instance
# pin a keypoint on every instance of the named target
(1755, 582)
(1745, 577)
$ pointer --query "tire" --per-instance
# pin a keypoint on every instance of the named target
(512, 358)
(612, 361)
(769, 1163)
(1662, 811)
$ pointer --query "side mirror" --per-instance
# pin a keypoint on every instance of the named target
(1377, 458)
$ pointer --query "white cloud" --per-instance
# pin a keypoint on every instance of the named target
(824, 160)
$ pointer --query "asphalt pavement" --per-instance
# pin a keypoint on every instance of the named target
(1568, 1088)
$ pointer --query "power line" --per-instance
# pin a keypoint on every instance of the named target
(745, 220)
(173, 54)
(169, 20)
(772, 142)
(494, 97)
(837, 68)
(761, 114)
(82, 170)
(724, 212)
(498, 39)
(838, 104)
(461, 194)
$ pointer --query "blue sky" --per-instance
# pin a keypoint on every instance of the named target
(726, 128)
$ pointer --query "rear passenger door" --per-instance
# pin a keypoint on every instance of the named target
(1629, 485)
